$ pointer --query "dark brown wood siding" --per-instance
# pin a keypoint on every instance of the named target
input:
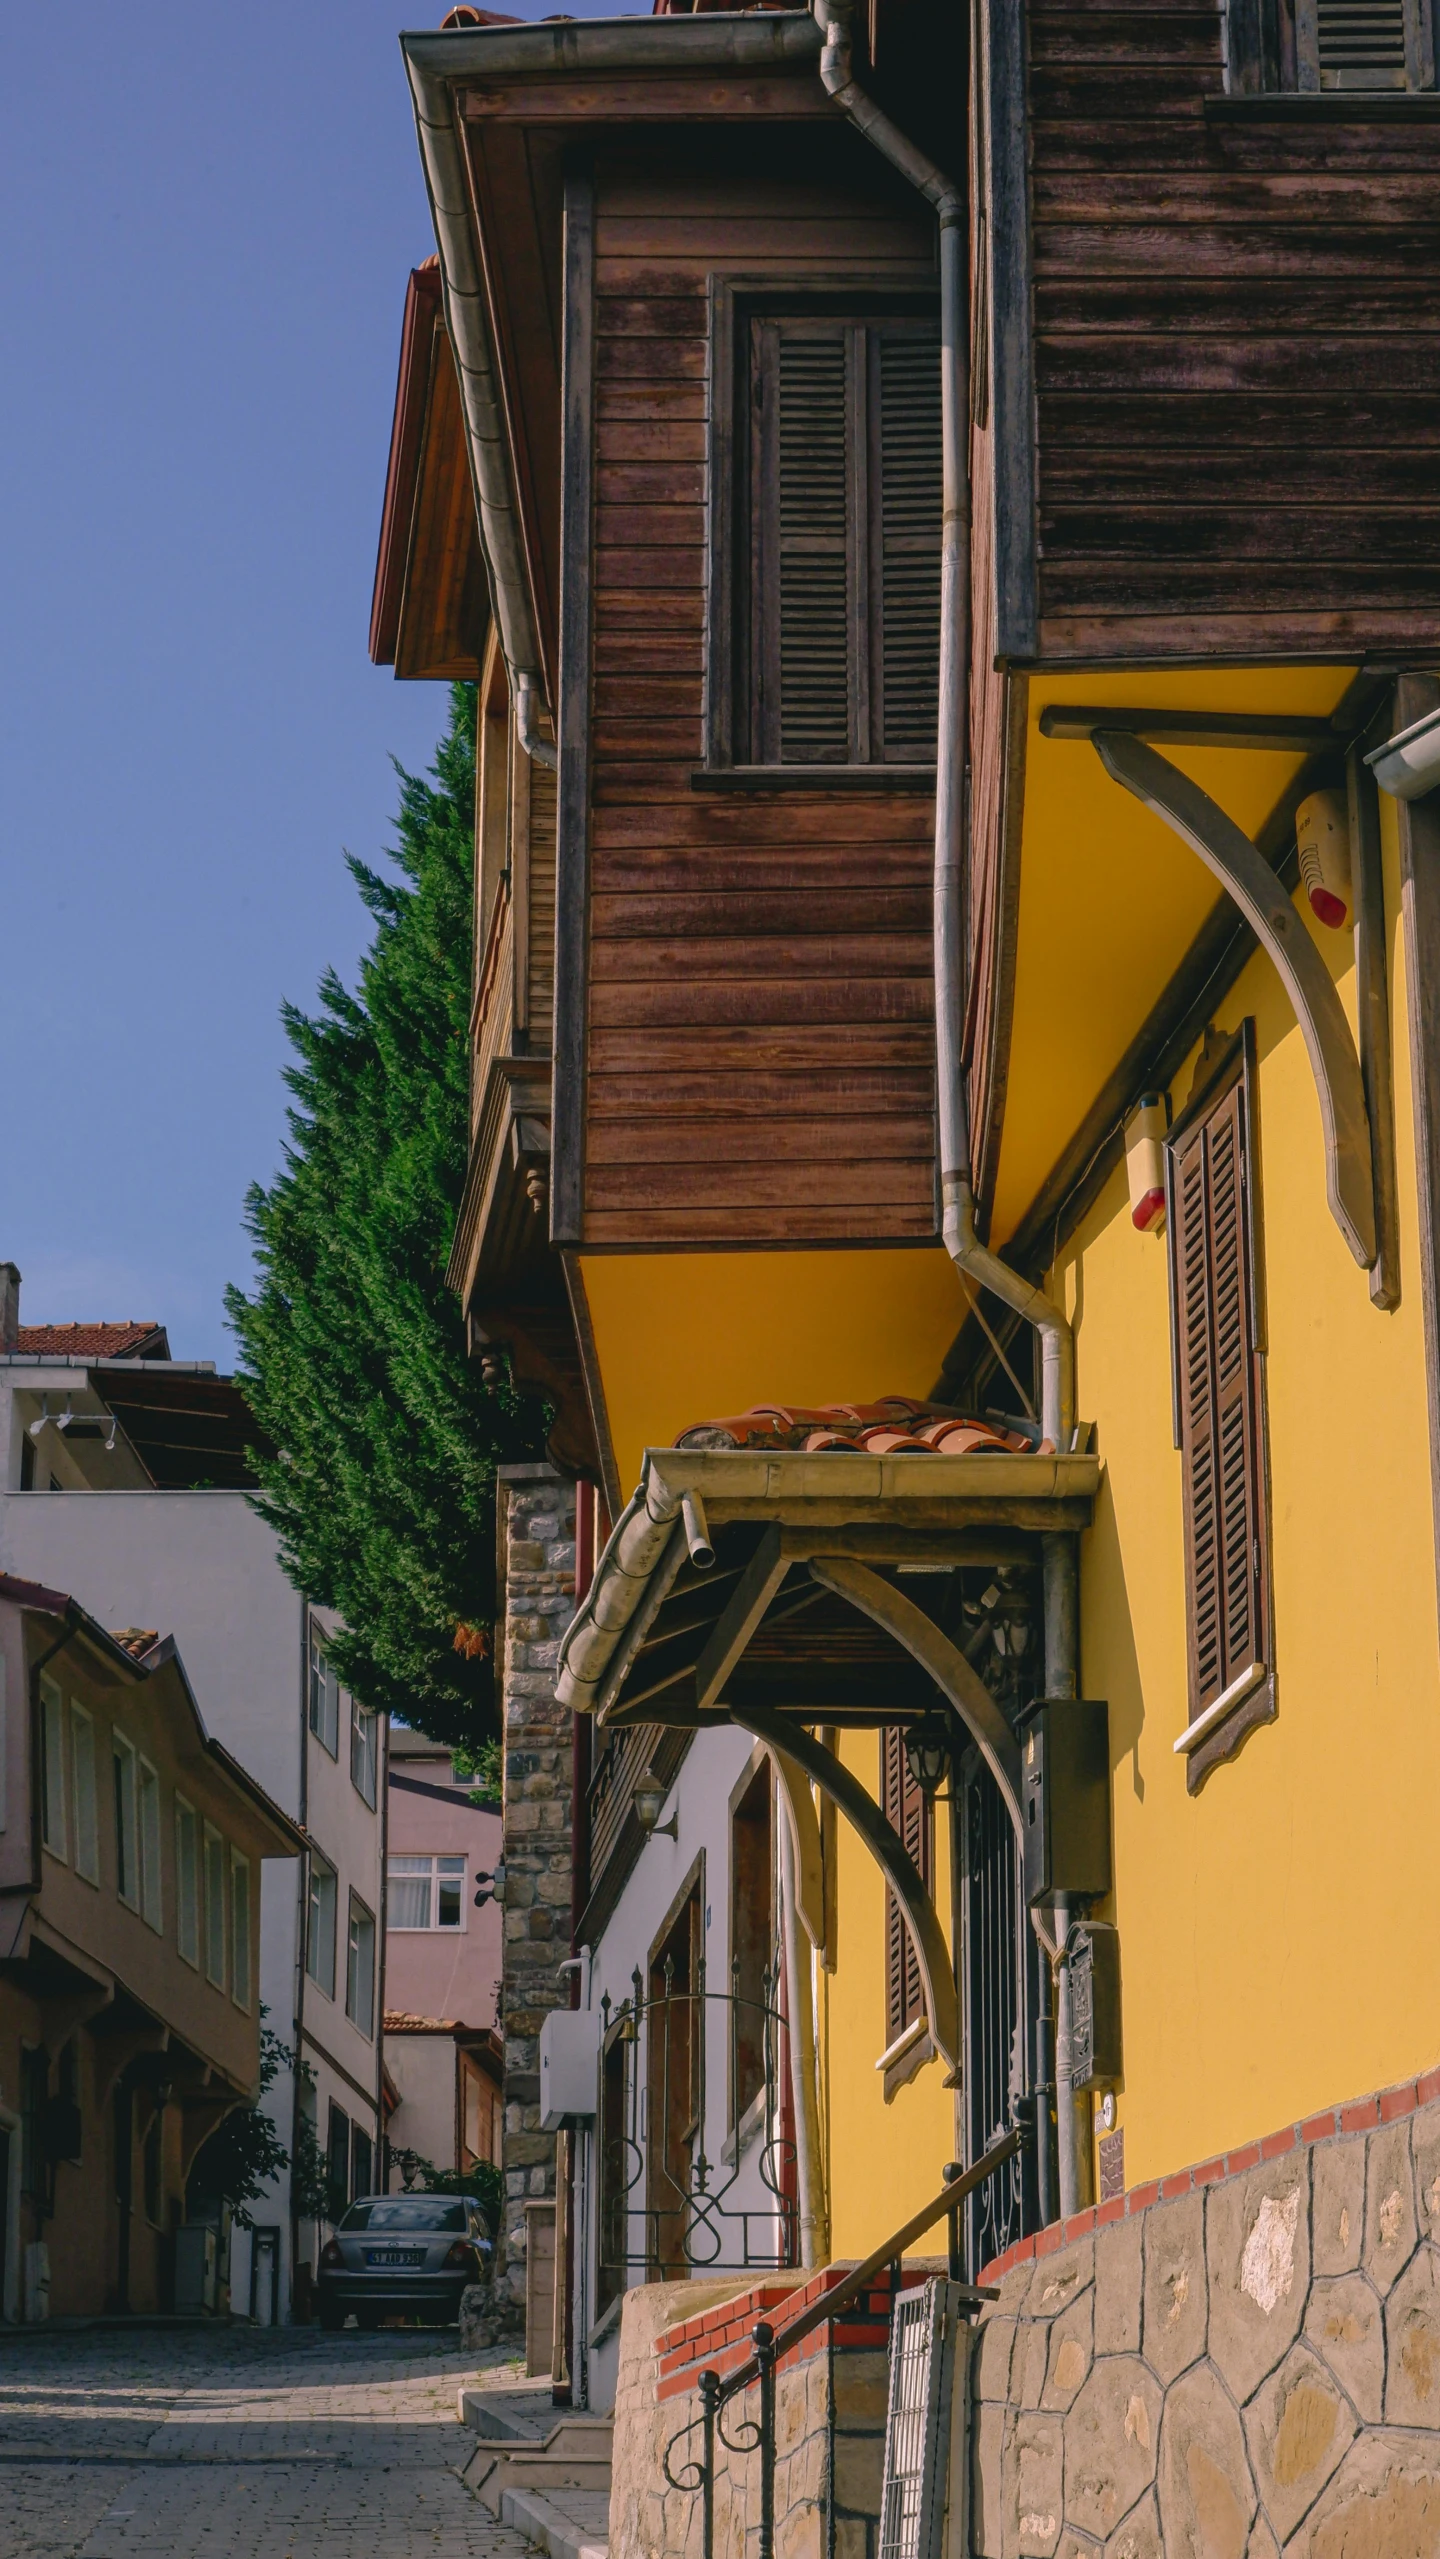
(1236, 350)
(760, 1046)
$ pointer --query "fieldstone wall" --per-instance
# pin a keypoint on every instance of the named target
(1241, 2363)
(537, 1574)
(829, 2424)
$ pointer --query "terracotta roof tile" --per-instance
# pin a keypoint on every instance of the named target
(91, 1341)
(895, 1423)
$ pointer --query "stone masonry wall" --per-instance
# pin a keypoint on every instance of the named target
(537, 1560)
(1241, 2362)
(829, 2422)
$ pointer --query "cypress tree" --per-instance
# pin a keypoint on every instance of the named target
(380, 1479)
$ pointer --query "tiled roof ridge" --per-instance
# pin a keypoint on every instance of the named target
(97, 1340)
(1333, 2123)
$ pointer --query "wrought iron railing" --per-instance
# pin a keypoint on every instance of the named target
(695, 2475)
(669, 2207)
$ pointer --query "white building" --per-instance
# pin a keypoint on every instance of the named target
(123, 1481)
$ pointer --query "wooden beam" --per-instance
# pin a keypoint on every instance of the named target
(1415, 695)
(1004, 70)
(1273, 733)
(572, 814)
(944, 1661)
(1240, 867)
(769, 1724)
(1372, 994)
(740, 1616)
(657, 1591)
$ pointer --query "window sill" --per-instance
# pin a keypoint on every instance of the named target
(914, 780)
(1326, 106)
(1220, 1728)
(903, 2060)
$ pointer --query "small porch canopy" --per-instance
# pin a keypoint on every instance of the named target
(784, 1590)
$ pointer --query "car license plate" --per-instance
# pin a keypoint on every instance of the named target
(394, 2256)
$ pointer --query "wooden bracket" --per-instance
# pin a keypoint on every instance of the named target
(944, 1661)
(785, 1734)
(1261, 897)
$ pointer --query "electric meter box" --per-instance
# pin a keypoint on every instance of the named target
(569, 2065)
(1065, 1800)
(1095, 2055)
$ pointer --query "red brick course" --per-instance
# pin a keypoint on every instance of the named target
(1384, 2106)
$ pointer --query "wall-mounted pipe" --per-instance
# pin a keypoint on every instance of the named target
(804, 2084)
(957, 1195)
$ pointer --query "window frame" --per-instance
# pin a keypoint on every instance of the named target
(365, 1733)
(1230, 1067)
(433, 1926)
(80, 1716)
(321, 1872)
(910, 291)
(908, 2040)
(187, 1825)
(151, 1853)
(241, 1965)
(126, 1802)
(1273, 50)
(323, 1675)
(214, 1926)
(360, 1911)
(54, 1828)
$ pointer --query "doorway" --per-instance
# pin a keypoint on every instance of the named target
(675, 2040)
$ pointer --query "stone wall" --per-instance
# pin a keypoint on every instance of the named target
(829, 2422)
(1242, 2362)
(537, 1575)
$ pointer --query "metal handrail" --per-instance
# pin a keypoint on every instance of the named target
(757, 2434)
(826, 2305)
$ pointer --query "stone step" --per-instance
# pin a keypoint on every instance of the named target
(576, 2529)
(512, 2415)
(575, 2454)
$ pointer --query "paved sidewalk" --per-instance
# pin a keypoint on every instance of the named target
(238, 2444)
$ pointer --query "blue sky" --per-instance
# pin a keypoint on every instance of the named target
(207, 217)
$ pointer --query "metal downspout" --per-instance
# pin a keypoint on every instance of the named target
(1057, 1344)
(1062, 1679)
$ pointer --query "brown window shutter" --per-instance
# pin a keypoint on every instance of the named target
(910, 512)
(906, 1810)
(1219, 1399)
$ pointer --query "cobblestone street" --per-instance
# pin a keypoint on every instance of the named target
(236, 2444)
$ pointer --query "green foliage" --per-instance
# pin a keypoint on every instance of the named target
(311, 2192)
(381, 1484)
(245, 2151)
(484, 1766)
(482, 2180)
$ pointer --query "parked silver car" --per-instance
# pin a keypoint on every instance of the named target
(410, 2253)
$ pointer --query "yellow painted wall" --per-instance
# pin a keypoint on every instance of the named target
(883, 2161)
(1110, 899)
(682, 1337)
(1278, 1929)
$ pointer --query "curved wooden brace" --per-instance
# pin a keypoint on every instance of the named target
(1202, 824)
(875, 1597)
(784, 1734)
(805, 1839)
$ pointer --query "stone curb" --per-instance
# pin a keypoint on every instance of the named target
(548, 2526)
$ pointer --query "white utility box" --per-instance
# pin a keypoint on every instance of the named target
(569, 2063)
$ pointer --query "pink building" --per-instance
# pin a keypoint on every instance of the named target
(442, 1962)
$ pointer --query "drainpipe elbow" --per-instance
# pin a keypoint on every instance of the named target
(1057, 1339)
(527, 714)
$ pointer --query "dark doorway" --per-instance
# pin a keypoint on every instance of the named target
(752, 1938)
(675, 2030)
(994, 2002)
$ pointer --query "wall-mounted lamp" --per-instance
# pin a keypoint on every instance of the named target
(648, 1797)
(1408, 764)
(1145, 1161)
(928, 1753)
(491, 1887)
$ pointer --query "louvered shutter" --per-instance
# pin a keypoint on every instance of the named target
(845, 542)
(910, 495)
(1219, 1405)
(906, 1810)
(1360, 44)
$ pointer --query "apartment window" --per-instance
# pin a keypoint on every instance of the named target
(324, 1698)
(835, 628)
(337, 2161)
(151, 1886)
(52, 1769)
(187, 1881)
(127, 1844)
(906, 1809)
(214, 1907)
(752, 1934)
(82, 1794)
(364, 1750)
(1220, 1412)
(239, 1929)
(362, 2163)
(320, 1934)
(360, 1968)
(425, 1892)
(1354, 45)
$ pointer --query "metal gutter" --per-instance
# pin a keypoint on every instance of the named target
(436, 66)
